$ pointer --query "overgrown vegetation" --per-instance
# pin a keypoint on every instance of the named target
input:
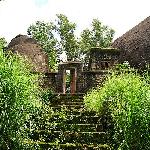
(127, 96)
(47, 95)
(19, 98)
(2, 42)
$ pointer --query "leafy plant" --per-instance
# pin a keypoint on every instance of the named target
(47, 95)
(19, 98)
(44, 33)
(98, 36)
(128, 98)
(2, 42)
(59, 36)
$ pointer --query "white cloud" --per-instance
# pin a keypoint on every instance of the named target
(17, 15)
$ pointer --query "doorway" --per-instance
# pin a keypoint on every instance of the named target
(69, 81)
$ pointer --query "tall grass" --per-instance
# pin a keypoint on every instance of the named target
(18, 99)
(128, 98)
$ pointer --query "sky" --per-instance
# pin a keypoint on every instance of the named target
(121, 15)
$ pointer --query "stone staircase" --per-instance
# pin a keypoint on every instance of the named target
(71, 126)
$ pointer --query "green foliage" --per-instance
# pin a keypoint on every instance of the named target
(59, 36)
(43, 33)
(18, 99)
(46, 95)
(99, 35)
(128, 98)
(68, 41)
(2, 43)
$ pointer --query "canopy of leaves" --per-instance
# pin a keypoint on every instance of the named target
(44, 34)
(68, 41)
(59, 36)
(98, 36)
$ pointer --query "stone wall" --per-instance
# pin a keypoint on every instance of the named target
(101, 60)
(91, 79)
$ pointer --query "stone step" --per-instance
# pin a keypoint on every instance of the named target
(68, 146)
(72, 103)
(67, 102)
(65, 99)
(77, 127)
(75, 119)
(81, 111)
(69, 95)
(77, 112)
(83, 119)
(69, 136)
(69, 107)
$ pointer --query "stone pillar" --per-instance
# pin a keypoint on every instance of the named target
(73, 75)
(79, 77)
(60, 79)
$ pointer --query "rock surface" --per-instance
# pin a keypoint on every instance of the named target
(29, 48)
(135, 45)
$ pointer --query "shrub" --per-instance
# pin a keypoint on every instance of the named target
(128, 99)
(18, 99)
(47, 95)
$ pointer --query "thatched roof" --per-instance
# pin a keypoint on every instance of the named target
(29, 48)
(135, 45)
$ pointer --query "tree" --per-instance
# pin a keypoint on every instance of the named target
(99, 36)
(56, 38)
(68, 41)
(59, 36)
(44, 34)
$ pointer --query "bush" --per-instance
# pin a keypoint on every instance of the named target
(128, 97)
(47, 95)
(19, 98)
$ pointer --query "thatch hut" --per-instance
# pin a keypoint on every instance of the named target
(135, 45)
(29, 48)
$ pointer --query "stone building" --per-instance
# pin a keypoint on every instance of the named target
(133, 46)
(100, 61)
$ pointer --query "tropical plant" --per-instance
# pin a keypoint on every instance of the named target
(128, 98)
(3, 42)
